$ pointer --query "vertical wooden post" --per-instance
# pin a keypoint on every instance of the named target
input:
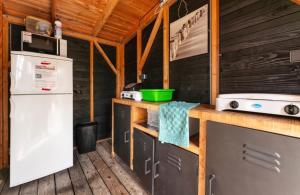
(120, 70)
(139, 54)
(166, 50)
(215, 47)
(5, 68)
(1, 83)
(122, 66)
(91, 81)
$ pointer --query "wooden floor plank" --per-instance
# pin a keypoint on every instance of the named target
(94, 179)
(112, 182)
(29, 188)
(3, 178)
(78, 179)
(10, 191)
(120, 170)
(63, 183)
(46, 186)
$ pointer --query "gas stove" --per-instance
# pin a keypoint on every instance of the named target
(277, 104)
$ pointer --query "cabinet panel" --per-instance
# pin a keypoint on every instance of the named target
(246, 161)
(143, 158)
(178, 171)
(122, 132)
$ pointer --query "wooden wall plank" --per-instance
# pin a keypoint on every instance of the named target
(91, 81)
(5, 103)
(215, 47)
(166, 32)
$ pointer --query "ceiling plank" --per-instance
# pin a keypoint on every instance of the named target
(106, 58)
(110, 6)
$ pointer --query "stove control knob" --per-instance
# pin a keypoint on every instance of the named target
(234, 104)
(291, 109)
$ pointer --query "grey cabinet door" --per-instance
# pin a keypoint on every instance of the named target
(250, 162)
(143, 158)
(122, 132)
(178, 171)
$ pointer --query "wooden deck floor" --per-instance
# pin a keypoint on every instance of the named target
(92, 173)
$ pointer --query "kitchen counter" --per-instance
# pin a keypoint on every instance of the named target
(273, 124)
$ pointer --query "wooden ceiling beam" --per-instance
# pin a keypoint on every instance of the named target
(151, 40)
(106, 58)
(147, 19)
(109, 8)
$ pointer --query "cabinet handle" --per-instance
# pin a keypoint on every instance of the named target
(146, 166)
(156, 175)
(126, 139)
(210, 183)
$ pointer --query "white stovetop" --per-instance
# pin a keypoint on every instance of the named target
(261, 96)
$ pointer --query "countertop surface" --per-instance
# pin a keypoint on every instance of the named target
(275, 124)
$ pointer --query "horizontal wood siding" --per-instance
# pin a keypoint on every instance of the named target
(79, 51)
(131, 61)
(104, 90)
(256, 38)
(190, 76)
(153, 67)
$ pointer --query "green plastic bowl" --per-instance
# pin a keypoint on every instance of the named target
(157, 95)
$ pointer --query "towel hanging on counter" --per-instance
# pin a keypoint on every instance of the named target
(174, 123)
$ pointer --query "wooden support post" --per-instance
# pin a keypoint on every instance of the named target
(91, 81)
(166, 48)
(120, 70)
(53, 10)
(151, 40)
(1, 84)
(139, 54)
(5, 102)
(215, 47)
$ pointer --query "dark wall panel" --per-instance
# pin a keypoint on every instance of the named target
(131, 61)
(256, 38)
(190, 76)
(104, 90)
(79, 51)
(153, 67)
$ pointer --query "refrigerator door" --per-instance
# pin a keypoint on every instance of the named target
(31, 74)
(41, 141)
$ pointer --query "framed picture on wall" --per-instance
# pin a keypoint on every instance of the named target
(189, 35)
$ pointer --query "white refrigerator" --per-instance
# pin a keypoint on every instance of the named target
(41, 116)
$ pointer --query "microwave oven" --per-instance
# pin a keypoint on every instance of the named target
(43, 44)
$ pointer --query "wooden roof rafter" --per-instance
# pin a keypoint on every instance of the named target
(53, 10)
(110, 6)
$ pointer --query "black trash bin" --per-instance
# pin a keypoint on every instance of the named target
(86, 136)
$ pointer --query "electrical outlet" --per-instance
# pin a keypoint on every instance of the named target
(295, 56)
